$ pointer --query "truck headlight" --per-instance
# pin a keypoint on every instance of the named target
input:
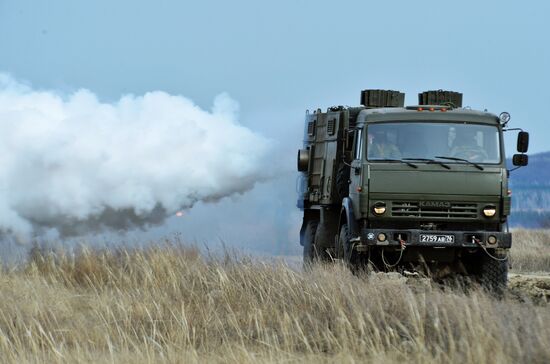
(379, 208)
(489, 211)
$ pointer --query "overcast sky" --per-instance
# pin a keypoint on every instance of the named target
(278, 58)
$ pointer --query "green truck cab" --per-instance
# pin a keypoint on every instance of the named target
(420, 188)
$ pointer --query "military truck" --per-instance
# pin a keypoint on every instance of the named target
(414, 189)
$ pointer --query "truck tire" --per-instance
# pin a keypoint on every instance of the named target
(342, 181)
(324, 236)
(345, 251)
(310, 251)
(494, 274)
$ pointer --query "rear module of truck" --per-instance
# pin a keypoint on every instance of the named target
(417, 188)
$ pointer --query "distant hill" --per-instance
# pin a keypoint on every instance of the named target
(536, 173)
(530, 187)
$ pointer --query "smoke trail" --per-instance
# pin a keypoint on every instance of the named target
(73, 163)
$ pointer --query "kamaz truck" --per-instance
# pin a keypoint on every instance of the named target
(419, 189)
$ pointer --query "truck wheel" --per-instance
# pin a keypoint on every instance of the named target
(494, 274)
(310, 252)
(342, 181)
(345, 251)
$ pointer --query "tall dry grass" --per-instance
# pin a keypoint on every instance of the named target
(530, 251)
(171, 305)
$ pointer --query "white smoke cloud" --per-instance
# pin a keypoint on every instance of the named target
(76, 164)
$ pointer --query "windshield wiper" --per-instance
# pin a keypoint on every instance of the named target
(462, 160)
(428, 161)
(396, 160)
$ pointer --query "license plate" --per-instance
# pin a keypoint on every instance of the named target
(436, 238)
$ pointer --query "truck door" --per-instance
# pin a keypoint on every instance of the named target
(356, 180)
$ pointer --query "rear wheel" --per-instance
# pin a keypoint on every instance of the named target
(310, 251)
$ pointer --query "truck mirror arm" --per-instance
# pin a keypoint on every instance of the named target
(346, 163)
(522, 159)
(355, 168)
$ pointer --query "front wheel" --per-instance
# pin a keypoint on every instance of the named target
(345, 250)
(494, 273)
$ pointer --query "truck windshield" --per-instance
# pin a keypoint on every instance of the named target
(426, 140)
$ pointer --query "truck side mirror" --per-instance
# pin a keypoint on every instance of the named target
(520, 160)
(523, 142)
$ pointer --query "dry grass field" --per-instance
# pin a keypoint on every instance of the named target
(172, 305)
(530, 251)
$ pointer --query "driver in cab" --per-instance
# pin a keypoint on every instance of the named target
(380, 148)
(466, 147)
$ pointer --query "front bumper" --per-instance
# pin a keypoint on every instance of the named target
(461, 239)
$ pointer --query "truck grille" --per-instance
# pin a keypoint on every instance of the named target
(455, 210)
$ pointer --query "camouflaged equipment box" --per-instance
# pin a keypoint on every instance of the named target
(382, 98)
(440, 97)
